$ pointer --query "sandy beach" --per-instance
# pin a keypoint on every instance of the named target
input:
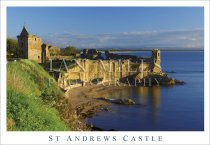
(85, 100)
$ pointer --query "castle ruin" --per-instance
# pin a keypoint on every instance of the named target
(31, 47)
(91, 54)
(90, 66)
(87, 70)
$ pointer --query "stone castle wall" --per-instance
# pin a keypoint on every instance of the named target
(31, 47)
(45, 53)
(109, 70)
(34, 48)
(87, 70)
(156, 58)
(22, 47)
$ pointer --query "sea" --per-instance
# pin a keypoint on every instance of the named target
(161, 108)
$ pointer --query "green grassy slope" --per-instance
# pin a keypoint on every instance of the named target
(31, 99)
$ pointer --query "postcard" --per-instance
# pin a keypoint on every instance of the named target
(104, 72)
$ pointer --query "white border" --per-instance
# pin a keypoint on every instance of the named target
(183, 137)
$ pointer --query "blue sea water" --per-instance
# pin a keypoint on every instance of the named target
(163, 108)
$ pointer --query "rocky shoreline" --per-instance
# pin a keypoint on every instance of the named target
(86, 101)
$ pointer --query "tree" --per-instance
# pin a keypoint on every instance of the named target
(54, 51)
(69, 50)
(12, 47)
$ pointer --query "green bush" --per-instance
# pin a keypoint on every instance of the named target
(12, 47)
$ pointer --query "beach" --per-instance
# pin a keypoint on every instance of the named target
(86, 100)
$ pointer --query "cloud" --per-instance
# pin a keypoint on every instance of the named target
(186, 39)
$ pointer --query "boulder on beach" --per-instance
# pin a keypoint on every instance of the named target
(123, 101)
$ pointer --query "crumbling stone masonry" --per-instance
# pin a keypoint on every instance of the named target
(87, 70)
(31, 47)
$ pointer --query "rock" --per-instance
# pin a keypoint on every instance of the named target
(105, 109)
(123, 101)
(170, 71)
(128, 102)
(158, 79)
(178, 82)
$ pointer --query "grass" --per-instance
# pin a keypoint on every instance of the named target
(29, 114)
(31, 99)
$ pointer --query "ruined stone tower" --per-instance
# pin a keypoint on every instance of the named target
(31, 47)
(156, 58)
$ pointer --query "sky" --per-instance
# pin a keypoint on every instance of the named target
(111, 27)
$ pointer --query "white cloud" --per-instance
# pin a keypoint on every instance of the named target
(176, 39)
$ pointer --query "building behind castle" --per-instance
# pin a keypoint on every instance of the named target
(31, 47)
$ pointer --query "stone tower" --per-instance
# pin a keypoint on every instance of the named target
(156, 58)
(29, 46)
(45, 52)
